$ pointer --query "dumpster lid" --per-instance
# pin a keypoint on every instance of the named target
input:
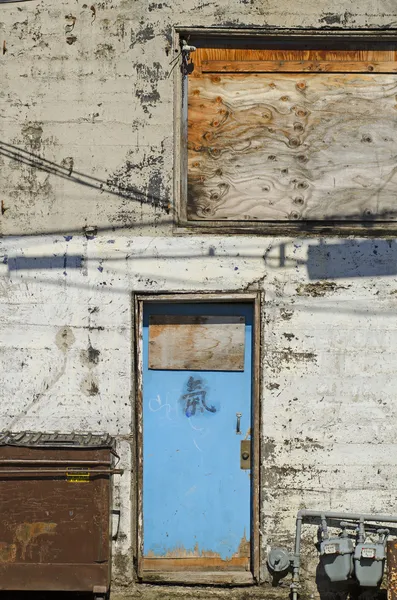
(57, 440)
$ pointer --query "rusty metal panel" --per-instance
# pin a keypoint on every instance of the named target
(55, 505)
(57, 440)
(392, 570)
(201, 343)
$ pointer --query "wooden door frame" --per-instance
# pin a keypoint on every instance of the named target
(205, 578)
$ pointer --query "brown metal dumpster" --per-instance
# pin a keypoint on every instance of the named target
(55, 500)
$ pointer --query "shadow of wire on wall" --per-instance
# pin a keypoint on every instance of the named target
(110, 185)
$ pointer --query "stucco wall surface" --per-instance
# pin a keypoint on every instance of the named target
(86, 155)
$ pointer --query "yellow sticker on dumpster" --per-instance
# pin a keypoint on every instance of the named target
(77, 476)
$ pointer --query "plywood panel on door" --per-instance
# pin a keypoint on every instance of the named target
(196, 342)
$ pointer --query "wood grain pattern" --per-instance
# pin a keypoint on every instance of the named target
(237, 54)
(209, 343)
(297, 66)
(202, 56)
(276, 147)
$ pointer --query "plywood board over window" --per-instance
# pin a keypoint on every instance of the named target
(200, 343)
(289, 135)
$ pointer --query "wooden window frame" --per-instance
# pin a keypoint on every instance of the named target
(215, 578)
(183, 225)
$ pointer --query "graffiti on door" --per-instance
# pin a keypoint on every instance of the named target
(195, 397)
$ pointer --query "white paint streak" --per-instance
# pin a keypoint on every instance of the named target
(197, 446)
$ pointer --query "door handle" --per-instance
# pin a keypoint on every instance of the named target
(238, 423)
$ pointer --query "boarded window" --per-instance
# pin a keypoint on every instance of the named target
(288, 135)
(200, 343)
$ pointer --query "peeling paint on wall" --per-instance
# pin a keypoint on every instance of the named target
(319, 289)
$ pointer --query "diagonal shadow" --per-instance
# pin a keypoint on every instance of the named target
(132, 193)
(35, 161)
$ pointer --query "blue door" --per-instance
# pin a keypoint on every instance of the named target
(197, 386)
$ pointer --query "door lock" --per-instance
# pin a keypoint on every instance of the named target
(245, 454)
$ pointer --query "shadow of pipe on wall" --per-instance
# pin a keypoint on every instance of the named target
(38, 263)
(324, 263)
(349, 259)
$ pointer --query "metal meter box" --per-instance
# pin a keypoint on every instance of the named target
(336, 555)
(55, 499)
(369, 561)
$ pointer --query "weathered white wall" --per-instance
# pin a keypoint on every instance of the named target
(100, 110)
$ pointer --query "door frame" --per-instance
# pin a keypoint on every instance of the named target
(205, 577)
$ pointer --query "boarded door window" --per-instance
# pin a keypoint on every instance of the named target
(200, 343)
(289, 135)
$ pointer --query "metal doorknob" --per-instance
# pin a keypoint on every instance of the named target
(245, 454)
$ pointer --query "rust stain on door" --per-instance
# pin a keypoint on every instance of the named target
(8, 552)
(26, 533)
(180, 558)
